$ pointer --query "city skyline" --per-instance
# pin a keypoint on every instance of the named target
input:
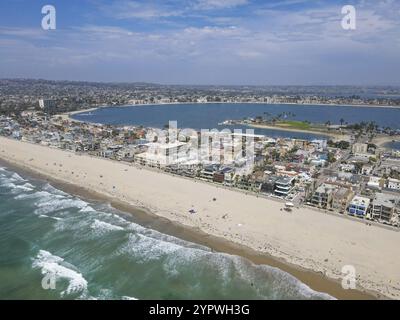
(203, 42)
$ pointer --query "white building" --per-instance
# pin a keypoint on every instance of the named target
(359, 206)
(47, 105)
(347, 167)
(320, 144)
(318, 162)
(163, 154)
(283, 186)
(360, 148)
(393, 184)
(386, 208)
(375, 183)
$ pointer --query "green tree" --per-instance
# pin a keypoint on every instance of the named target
(331, 157)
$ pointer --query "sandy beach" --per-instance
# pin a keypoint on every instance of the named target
(306, 238)
(67, 115)
(382, 141)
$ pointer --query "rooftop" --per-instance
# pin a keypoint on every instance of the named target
(342, 192)
(325, 187)
(160, 145)
(284, 180)
(387, 200)
(360, 201)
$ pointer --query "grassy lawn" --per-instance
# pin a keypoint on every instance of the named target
(294, 125)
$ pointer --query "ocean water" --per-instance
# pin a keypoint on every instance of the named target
(89, 250)
(395, 145)
(207, 116)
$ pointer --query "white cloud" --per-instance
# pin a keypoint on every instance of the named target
(219, 4)
(274, 46)
(32, 33)
(140, 10)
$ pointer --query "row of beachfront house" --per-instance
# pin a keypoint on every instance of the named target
(339, 197)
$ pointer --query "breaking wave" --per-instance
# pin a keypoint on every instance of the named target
(53, 265)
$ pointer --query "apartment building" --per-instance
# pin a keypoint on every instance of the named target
(393, 184)
(283, 186)
(386, 208)
(323, 195)
(360, 148)
(341, 198)
(375, 183)
(359, 206)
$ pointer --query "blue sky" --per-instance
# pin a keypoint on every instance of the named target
(298, 42)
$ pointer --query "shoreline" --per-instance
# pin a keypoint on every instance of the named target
(314, 280)
(382, 141)
(315, 132)
(68, 114)
(255, 102)
(335, 135)
(248, 225)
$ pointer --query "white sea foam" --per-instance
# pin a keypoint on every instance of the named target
(87, 209)
(15, 188)
(8, 184)
(48, 187)
(273, 283)
(136, 228)
(56, 203)
(281, 284)
(17, 177)
(28, 185)
(168, 238)
(39, 194)
(25, 187)
(101, 227)
(146, 249)
(292, 286)
(46, 216)
(185, 258)
(164, 237)
(128, 298)
(54, 265)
